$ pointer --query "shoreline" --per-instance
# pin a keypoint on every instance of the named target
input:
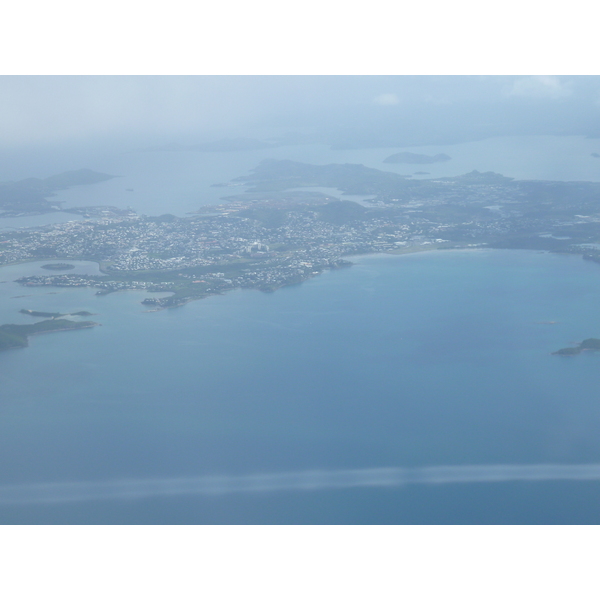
(65, 329)
(412, 251)
(23, 338)
(405, 251)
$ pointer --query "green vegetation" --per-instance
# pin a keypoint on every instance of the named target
(341, 212)
(46, 326)
(279, 175)
(268, 216)
(568, 351)
(10, 340)
(15, 336)
(589, 344)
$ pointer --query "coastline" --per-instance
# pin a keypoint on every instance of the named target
(18, 339)
(65, 329)
(185, 299)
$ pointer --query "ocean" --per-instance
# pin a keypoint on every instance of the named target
(439, 358)
(275, 408)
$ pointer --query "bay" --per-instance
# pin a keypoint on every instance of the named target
(410, 361)
(436, 358)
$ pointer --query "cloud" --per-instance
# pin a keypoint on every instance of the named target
(386, 99)
(540, 86)
(294, 481)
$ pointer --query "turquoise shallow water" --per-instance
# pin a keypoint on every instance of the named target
(439, 358)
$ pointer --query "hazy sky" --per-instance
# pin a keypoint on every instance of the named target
(56, 109)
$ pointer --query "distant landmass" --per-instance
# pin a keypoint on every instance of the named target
(278, 175)
(589, 344)
(70, 178)
(410, 158)
(29, 196)
(15, 336)
(487, 178)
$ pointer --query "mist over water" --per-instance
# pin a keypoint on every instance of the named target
(523, 127)
(180, 182)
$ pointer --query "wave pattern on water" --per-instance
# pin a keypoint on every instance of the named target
(293, 481)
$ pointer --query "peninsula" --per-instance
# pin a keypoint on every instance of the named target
(15, 336)
(30, 196)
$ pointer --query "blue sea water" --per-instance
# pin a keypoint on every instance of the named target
(435, 358)
(401, 361)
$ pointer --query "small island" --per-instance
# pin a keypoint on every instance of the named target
(58, 266)
(410, 158)
(15, 336)
(589, 344)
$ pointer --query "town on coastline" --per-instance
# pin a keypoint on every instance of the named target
(273, 235)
